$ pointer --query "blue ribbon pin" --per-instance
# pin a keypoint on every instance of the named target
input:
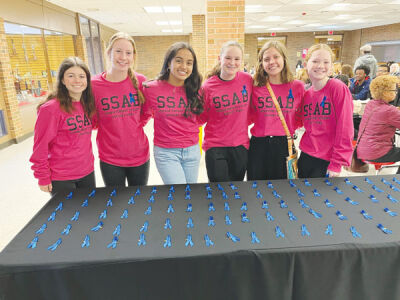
(385, 181)
(341, 216)
(391, 198)
(278, 232)
(187, 196)
(190, 223)
(367, 180)
(323, 101)
(352, 202)
(237, 196)
(264, 205)
(373, 199)
(188, 189)
(117, 230)
(233, 187)
(232, 237)
(329, 230)
(303, 204)
(41, 229)
(283, 204)
(244, 207)
(228, 220)
(366, 215)
(270, 185)
(69, 196)
(328, 182)
(33, 243)
(315, 214)
(55, 245)
(244, 91)
(66, 230)
(245, 218)
(377, 189)
(337, 190)
(224, 195)
(209, 195)
(304, 230)
(113, 193)
(391, 213)
(254, 186)
(76, 216)
(85, 203)
(208, 241)
(151, 199)
(131, 200)
(211, 221)
(142, 240)
(131, 98)
(259, 195)
(396, 180)
(226, 206)
(276, 195)
(52, 216)
(292, 184)
(347, 181)
(154, 190)
(189, 208)
(189, 241)
(167, 224)
(354, 232)
(109, 202)
(144, 227)
(211, 207)
(170, 209)
(269, 216)
(316, 193)
(148, 211)
(137, 192)
(92, 193)
(114, 242)
(394, 188)
(98, 226)
(384, 229)
(86, 242)
(103, 215)
(59, 207)
(172, 189)
(300, 193)
(356, 188)
(328, 204)
(292, 217)
(124, 214)
(167, 242)
(254, 238)
(306, 182)
(220, 187)
(170, 197)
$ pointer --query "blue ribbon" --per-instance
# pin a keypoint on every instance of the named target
(228, 220)
(114, 242)
(144, 227)
(391, 198)
(55, 245)
(283, 204)
(366, 215)
(341, 216)
(52, 216)
(373, 199)
(224, 195)
(109, 202)
(142, 240)
(270, 185)
(211, 221)
(269, 216)
(59, 207)
(209, 195)
(303, 204)
(396, 180)
(33, 243)
(385, 181)
(304, 231)
(69, 196)
(316, 193)
(233, 187)
(245, 218)
(377, 189)
(154, 190)
(170, 197)
(208, 241)
(92, 193)
(391, 213)
(124, 214)
(328, 182)
(98, 226)
(220, 187)
(66, 230)
(347, 181)
(151, 199)
(76, 216)
(167, 224)
(86, 242)
(137, 192)
(315, 214)
(328, 204)
(244, 207)
(167, 242)
(131, 200)
(337, 190)
(259, 195)
(211, 207)
(190, 223)
(384, 229)
(187, 196)
(85, 203)
(208, 188)
(306, 182)
(323, 101)
(131, 98)
(292, 184)
(189, 241)
(148, 211)
(41, 229)
(187, 188)
(170, 209)
(278, 232)
(117, 230)
(354, 232)
(254, 186)
(226, 206)
(329, 230)
(352, 202)
(232, 237)
(356, 188)
(276, 195)
(113, 193)
(300, 193)
(264, 205)
(394, 188)
(244, 91)
(292, 217)
(172, 189)
(189, 208)
(254, 238)
(368, 180)
(237, 196)
(103, 215)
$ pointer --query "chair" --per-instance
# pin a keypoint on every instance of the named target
(381, 165)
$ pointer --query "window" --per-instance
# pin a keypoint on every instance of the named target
(90, 30)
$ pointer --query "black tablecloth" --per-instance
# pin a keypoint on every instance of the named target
(292, 255)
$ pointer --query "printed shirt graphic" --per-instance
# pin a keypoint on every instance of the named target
(120, 139)
(167, 103)
(328, 121)
(264, 114)
(226, 111)
(62, 147)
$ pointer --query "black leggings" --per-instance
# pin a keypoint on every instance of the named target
(226, 163)
(267, 158)
(116, 176)
(66, 185)
(392, 156)
(311, 167)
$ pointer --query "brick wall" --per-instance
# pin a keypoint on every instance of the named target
(198, 40)
(351, 46)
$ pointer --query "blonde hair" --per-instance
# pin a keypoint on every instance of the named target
(337, 67)
(216, 70)
(131, 71)
(347, 70)
(302, 75)
(317, 47)
(381, 85)
(261, 77)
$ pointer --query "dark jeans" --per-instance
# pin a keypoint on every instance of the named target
(267, 158)
(392, 156)
(66, 185)
(226, 163)
(312, 167)
(117, 176)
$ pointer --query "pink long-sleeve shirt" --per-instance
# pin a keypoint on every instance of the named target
(62, 148)
(166, 104)
(120, 138)
(263, 112)
(328, 121)
(226, 111)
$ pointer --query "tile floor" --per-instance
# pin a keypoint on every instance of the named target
(21, 199)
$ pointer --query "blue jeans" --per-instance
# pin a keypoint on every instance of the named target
(178, 165)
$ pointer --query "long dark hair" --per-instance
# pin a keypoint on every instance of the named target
(61, 93)
(192, 83)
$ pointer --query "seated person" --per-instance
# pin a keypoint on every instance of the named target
(379, 123)
(395, 69)
(383, 69)
(359, 86)
(347, 70)
(343, 78)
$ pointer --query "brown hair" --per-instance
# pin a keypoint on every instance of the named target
(261, 77)
(61, 93)
(381, 85)
(347, 70)
(131, 71)
(216, 70)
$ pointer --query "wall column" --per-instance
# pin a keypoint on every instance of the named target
(198, 41)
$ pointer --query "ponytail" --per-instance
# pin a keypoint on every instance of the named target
(135, 83)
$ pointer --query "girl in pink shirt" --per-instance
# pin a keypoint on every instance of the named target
(327, 117)
(268, 144)
(62, 155)
(227, 94)
(122, 143)
(173, 101)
